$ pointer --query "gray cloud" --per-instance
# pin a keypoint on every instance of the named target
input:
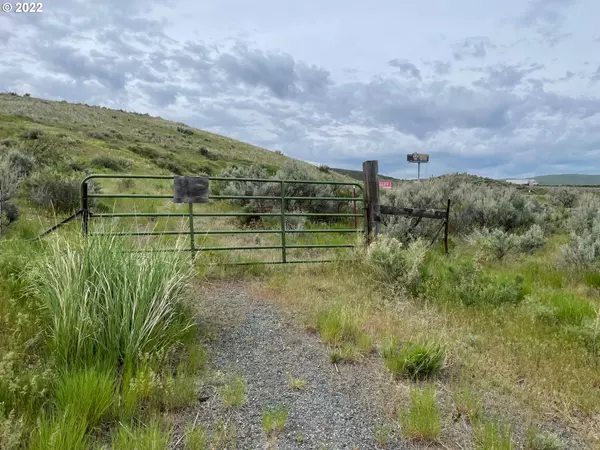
(473, 47)
(547, 18)
(494, 119)
(405, 68)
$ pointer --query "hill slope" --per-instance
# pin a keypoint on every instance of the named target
(80, 133)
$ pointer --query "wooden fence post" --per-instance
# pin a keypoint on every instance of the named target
(371, 181)
(446, 227)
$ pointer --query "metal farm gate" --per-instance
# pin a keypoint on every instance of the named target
(279, 211)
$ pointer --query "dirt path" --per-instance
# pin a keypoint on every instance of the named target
(338, 409)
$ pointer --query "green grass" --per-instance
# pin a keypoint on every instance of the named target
(383, 435)
(341, 326)
(416, 360)
(197, 438)
(66, 431)
(141, 437)
(86, 393)
(274, 419)
(422, 422)
(107, 303)
(494, 435)
(297, 384)
(233, 392)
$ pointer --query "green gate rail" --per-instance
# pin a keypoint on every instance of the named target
(282, 199)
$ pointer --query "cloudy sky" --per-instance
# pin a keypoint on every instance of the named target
(500, 89)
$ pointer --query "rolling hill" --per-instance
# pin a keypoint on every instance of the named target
(568, 180)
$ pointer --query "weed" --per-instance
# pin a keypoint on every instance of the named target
(383, 435)
(196, 438)
(87, 393)
(297, 384)
(12, 430)
(468, 404)
(335, 357)
(493, 436)
(233, 392)
(274, 419)
(412, 359)
(422, 422)
(224, 436)
(299, 438)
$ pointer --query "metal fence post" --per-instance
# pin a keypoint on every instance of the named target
(371, 180)
(84, 208)
(283, 250)
(192, 237)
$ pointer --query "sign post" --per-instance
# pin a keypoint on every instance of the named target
(418, 158)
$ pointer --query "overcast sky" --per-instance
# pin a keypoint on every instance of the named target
(501, 89)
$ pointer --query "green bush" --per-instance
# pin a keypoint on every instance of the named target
(565, 197)
(21, 162)
(394, 265)
(542, 440)
(460, 280)
(33, 134)
(416, 360)
(114, 164)
(104, 302)
(50, 190)
(565, 308)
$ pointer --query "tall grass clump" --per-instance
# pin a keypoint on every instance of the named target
(105, 302)
(416, 360)
(422, 422)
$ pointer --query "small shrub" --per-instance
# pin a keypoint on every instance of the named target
(33, 134)
(414, 360)
(7, 143)
(52, 191)
(151, 437)
(566, 198)
(114, 164)
(86, 393)
(21, 162)
(146, 152)
(27, 94)
(422, 422)
(383, 435)
(493, 435)
(170, 165)
(185, 131)
(532, 239)
(126, 184)
(11, 212)
(394, 265)
(542, 440)
(274, 419)
(323, 168)
(279, 153)
(233, 392)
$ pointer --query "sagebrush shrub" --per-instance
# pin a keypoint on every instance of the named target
(542, 440)
(115, 164)
(33, 134)
(566, 198)
(21, 162)
(532, 239)
(11, 212)
(395, 265)
(50, 190)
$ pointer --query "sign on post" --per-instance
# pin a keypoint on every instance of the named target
(417, 157)
(385, 184)
(190, 190)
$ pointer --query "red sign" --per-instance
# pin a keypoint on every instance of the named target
(385, 184)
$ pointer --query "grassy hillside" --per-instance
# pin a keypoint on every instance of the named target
(569, 180)
(79, 133)
(358, 175)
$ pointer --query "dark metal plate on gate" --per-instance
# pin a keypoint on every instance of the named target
(191, 190)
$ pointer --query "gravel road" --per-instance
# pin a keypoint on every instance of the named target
(339, 408)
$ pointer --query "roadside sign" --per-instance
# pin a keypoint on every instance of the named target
(385, 184)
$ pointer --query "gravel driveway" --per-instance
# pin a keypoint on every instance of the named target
(339, 408)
